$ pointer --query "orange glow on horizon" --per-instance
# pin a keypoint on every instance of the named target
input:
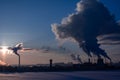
(5, 50)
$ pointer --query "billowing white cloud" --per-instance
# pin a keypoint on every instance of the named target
(90, 21)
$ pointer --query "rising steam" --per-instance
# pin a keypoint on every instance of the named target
(91, 22)
(76, 58)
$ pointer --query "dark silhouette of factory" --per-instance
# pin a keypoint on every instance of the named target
(55, 67)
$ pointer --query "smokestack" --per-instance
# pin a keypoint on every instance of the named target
(19, 61)
(88, 60)
(51, 63)
(100, 61)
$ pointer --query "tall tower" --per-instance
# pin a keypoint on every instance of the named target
(51, 63)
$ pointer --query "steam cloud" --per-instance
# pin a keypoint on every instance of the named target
(76, 57)
(90, 26)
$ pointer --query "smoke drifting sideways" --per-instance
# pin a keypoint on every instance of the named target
(92, 22)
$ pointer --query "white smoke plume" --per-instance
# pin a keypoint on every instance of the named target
(76, 58)
(88, 26)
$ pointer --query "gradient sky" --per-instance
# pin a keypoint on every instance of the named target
(29, 21)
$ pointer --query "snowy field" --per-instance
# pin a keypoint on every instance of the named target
(83, 75)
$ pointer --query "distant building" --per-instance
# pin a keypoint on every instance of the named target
(60, 64)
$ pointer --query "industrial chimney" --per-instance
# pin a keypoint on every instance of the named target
(51, 63)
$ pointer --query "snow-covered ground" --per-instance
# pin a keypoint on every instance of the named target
(83, 75)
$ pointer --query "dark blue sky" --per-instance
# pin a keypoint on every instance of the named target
(29, 21)
(113, 6)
